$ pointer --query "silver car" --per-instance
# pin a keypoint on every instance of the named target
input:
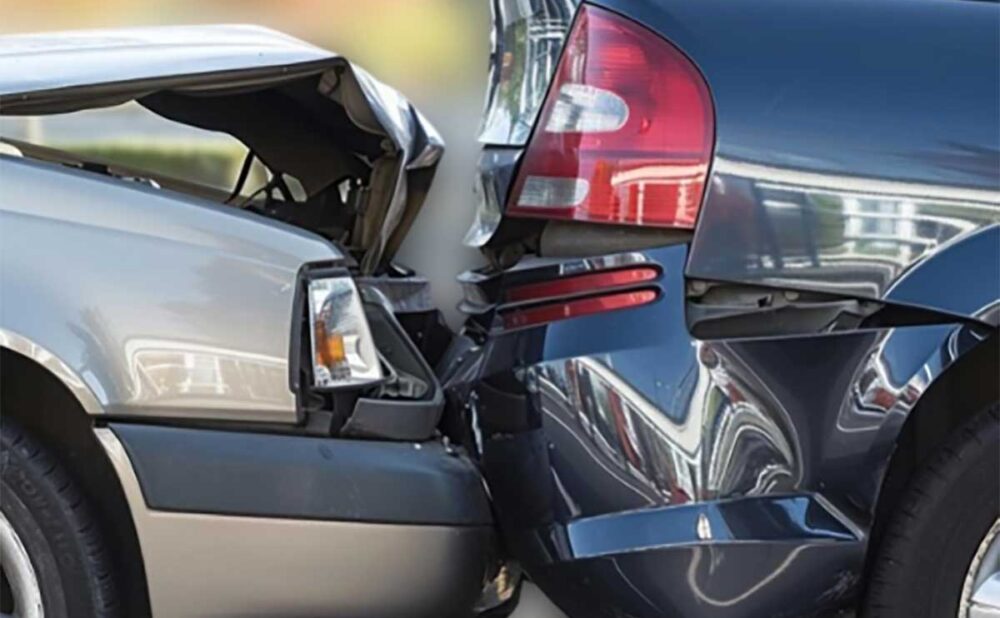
(211, 405)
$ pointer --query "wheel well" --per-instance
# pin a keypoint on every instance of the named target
(43, 406)
(966, 388)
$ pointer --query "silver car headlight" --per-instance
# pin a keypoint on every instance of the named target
(343, 352)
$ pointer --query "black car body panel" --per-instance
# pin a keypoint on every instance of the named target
(304, 477)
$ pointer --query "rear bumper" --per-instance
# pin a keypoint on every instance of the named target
(637, 470)
(240, 524)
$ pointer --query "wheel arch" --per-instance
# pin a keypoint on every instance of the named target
(966, 388)
(11, 342)
(38, 398)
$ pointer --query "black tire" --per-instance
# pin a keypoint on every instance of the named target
(948, 507)
(51, 519)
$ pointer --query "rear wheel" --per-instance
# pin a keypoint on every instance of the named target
(53, 561)
(941, 553)
(981, 590)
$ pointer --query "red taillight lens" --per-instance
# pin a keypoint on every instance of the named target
(579, 284)
(626, 132)
(543, 314)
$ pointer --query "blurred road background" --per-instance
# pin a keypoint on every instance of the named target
(434, 51)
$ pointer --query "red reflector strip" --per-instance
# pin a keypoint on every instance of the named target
(542, 314)
(578, 284)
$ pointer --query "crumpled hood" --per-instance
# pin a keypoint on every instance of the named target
(302, 110)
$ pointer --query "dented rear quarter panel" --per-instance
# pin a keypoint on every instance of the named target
(638, 470)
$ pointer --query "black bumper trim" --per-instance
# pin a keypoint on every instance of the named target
(268, 475)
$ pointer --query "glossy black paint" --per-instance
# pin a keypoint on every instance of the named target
(636, 469)
(860, 88)
(963, 278)
(853, 139)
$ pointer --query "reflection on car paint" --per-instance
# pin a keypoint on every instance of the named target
(618, 447)
(667, 453)
(529, 40)
(762, 519)
(842, 234)
(166, 373)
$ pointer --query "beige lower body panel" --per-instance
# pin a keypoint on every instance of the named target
(212, 565)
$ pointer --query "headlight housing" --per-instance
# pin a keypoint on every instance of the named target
(343, 353)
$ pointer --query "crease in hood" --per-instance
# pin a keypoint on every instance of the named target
(303, 111)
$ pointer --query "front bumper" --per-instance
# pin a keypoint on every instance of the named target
(638, 471)
(245, 524)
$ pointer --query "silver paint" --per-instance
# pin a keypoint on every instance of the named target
(48, 61)
(68, 71)
(148, 302)
(218, 565)
(62, 372)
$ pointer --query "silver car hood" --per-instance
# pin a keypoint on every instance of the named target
(69, 71)
(32, 63)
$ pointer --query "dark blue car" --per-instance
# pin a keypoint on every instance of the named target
(736, 352)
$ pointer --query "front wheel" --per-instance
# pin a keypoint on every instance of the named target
(52, 561)
(941, 554)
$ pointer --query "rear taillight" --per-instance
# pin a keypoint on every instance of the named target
(625, 134)
(580, 284)
(552, 312)
(578, 295)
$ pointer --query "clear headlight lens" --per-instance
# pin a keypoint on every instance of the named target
(343, 351)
